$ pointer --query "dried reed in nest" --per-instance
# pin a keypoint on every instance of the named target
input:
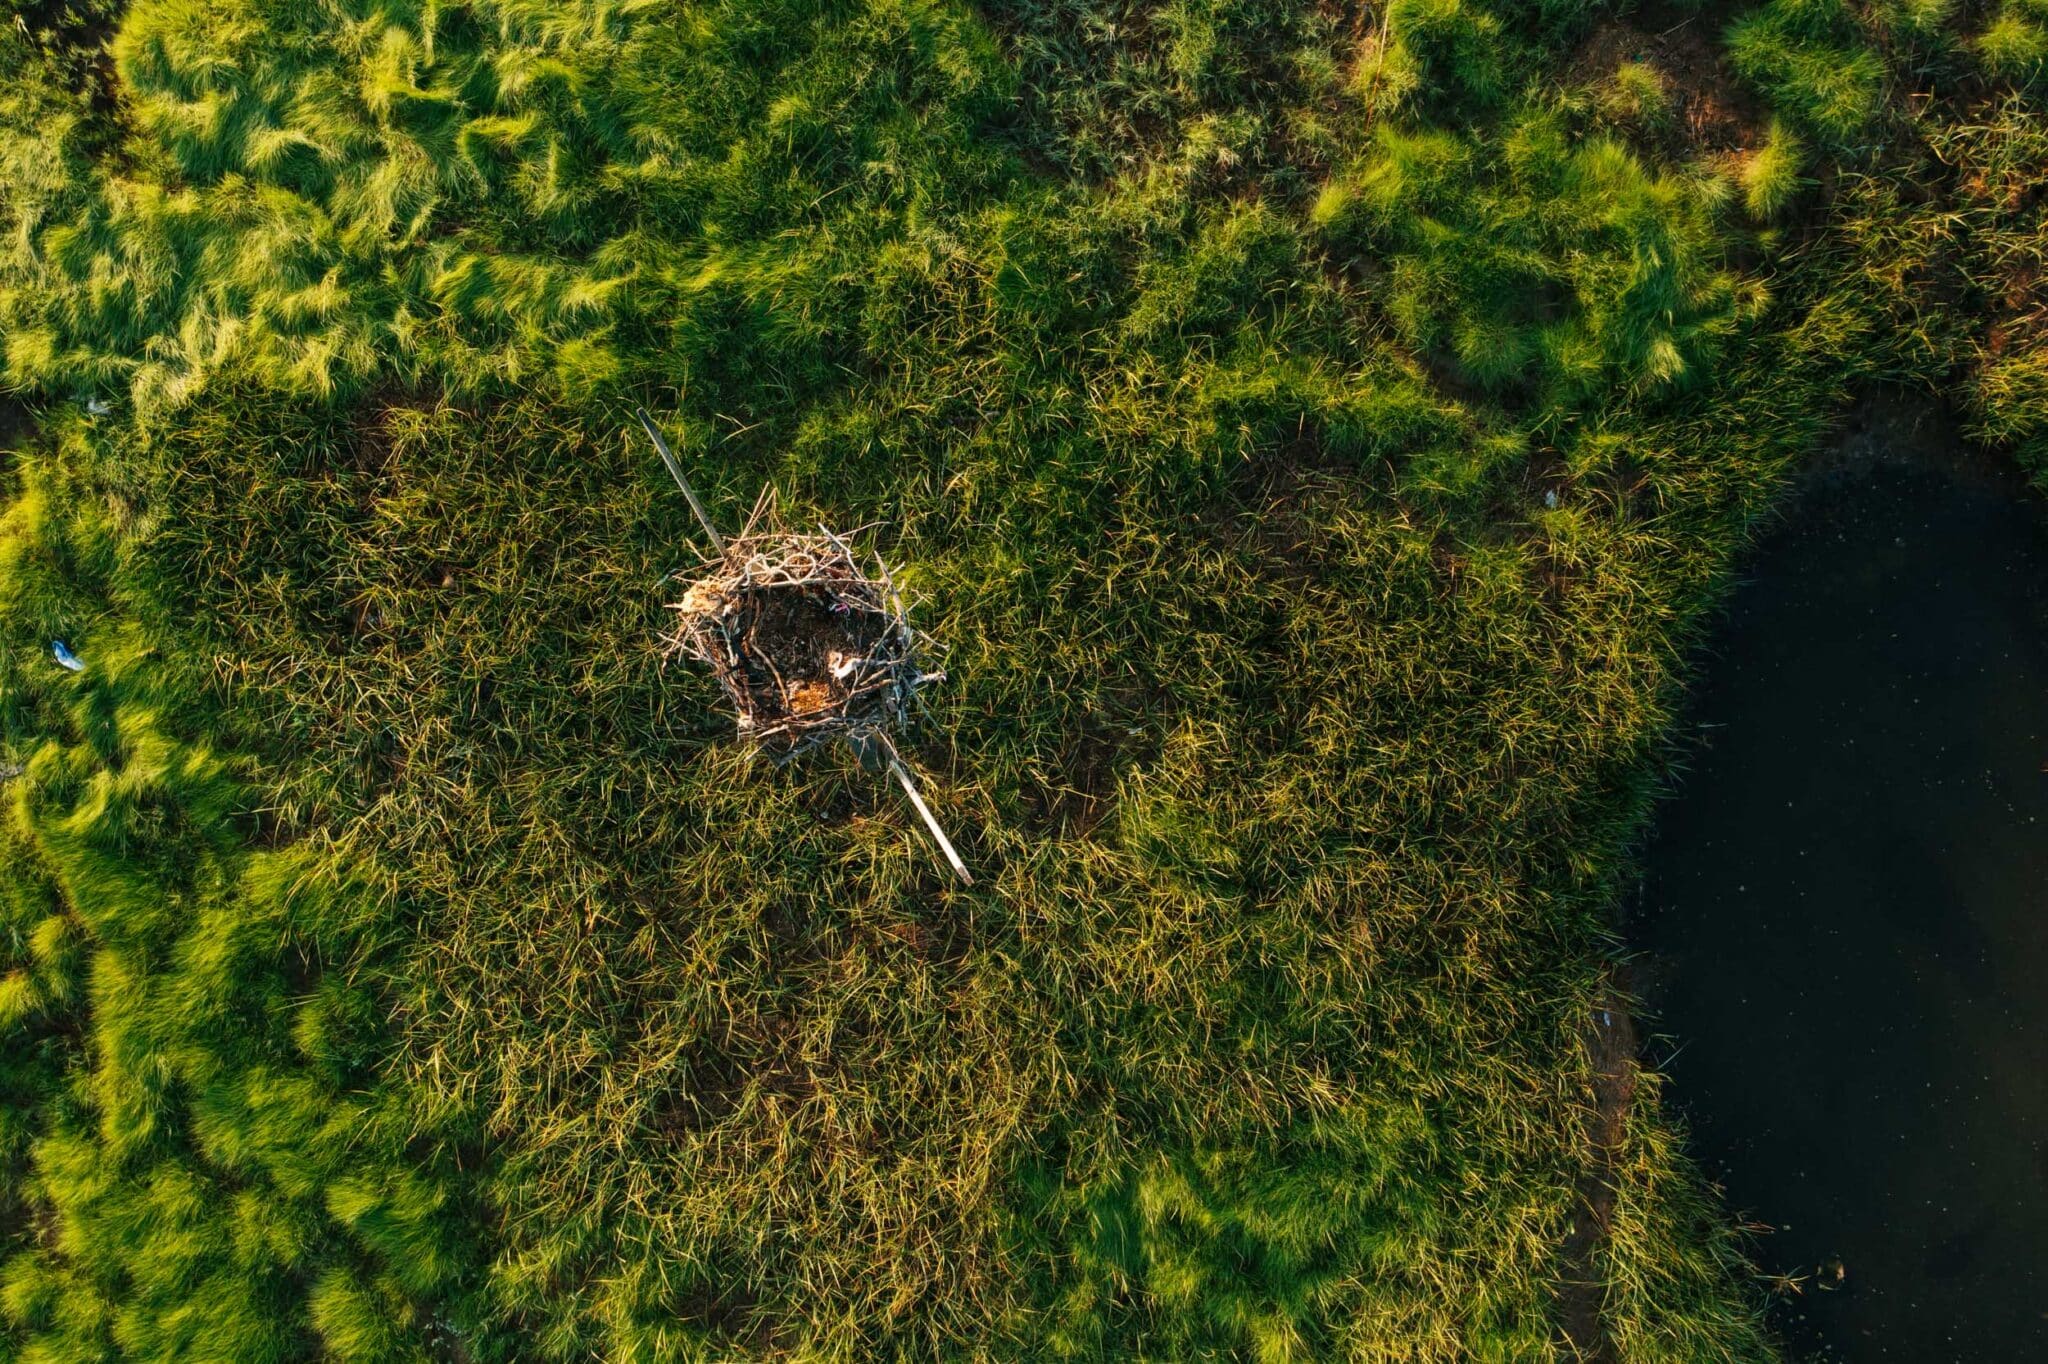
(808, 643)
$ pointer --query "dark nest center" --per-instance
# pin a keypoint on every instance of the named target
(802, 652)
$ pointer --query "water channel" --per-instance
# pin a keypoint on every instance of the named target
(1844, 915)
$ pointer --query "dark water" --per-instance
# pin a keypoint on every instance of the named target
(1845, 915)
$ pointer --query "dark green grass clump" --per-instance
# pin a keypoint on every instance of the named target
(1316, 442)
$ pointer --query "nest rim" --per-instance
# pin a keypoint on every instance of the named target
(793, 690)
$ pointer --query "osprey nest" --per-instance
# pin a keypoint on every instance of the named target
(807, 643)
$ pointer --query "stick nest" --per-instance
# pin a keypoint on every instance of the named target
(807, 643)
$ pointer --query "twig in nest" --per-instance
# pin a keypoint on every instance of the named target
(808, 643)
(807, 646)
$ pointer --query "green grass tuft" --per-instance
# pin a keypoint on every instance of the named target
(2014, 45)
(1806, 55)
(1771, 174)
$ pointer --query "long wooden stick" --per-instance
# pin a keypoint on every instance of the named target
(930, 820)
(676, 471)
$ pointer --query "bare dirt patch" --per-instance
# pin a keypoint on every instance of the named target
(1710, 111)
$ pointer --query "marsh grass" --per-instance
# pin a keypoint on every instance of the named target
(213, 1167)
(1317, 446)
(1770, 175)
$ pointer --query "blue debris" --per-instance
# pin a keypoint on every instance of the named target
(64, 656)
